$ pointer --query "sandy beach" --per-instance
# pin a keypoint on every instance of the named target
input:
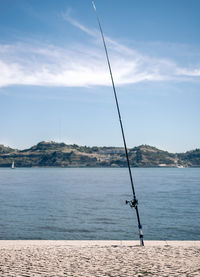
(99, 258)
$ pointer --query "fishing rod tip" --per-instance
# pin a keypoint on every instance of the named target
(94, 5)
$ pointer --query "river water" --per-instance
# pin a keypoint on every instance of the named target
(89, 203)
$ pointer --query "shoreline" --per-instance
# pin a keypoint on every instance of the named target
(99, 243)
(104, 167)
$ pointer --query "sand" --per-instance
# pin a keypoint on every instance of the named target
(99, 258)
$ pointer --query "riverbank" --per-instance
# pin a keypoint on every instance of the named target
(53, 154)
(99, 258)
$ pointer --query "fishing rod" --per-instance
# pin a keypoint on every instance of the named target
(134, 202)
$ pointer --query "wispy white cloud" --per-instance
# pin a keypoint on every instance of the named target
(96, 35)
(80, 65)
(190, 72)
(66, 16)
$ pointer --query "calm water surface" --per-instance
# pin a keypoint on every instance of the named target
(89, 203)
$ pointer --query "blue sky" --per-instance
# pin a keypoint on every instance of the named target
(55, 84)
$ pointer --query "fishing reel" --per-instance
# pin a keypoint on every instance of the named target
(132, 203)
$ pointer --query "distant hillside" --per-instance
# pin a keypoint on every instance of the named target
(4, 149)
(63, 155)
